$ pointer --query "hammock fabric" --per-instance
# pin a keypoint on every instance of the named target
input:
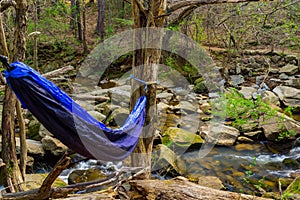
(70, 123)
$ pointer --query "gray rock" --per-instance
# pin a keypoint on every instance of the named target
(280, 123)
(289, 69)
(220, 134)
(237, 79)
(247, 92)
(290, 58)
(295, 82)
(283, 76)
(288, 95)
(54, 145)
(120, 94)
(253, 133)
(43, 132)
(33, 129)
(33, 147)
(118, 116)
(270, 98)
(186, 106)
(165, 95)
(211, 182)
(274, 71)
(97, 115)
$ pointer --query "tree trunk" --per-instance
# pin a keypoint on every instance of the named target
(145, 67)
(84, 42)
(11, 172)
(101, 16)
(78, 19)
(73, 16)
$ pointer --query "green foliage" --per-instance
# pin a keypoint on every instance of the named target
(124, 22)
(249, 172)
(240, 110)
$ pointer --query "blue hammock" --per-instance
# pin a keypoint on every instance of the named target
(70, 123)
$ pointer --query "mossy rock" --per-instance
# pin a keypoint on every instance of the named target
(34, 181)
(81, 176)
(200, 86)
(180, 138)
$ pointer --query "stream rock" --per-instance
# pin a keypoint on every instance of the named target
(34, 181)
(269, 97)
(280, 123)
(82, 176)
(295, 83)
(288, 95)
(54, 146)
(211, 182)
(289, 69)
(220, 134)
(247, 92)
(180, 138)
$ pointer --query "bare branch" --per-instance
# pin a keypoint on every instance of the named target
(5, 4)
(177, 4)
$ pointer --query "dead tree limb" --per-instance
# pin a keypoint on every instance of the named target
(178, 4)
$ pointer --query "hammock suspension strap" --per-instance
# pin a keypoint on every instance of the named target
(145, 83)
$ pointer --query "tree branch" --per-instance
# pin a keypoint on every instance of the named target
(178, 4)
(5, 4)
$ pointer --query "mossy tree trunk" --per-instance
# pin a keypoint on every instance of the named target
(145, 67)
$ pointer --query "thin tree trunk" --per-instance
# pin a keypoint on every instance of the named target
(73, 16)
(85, 47)
(145, 67)
(101, 16)
(35, 36)
(78, 19)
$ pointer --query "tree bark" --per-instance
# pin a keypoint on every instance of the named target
(145, 66)
(181, 189)
(101, 16)
(11, 172)
(78, 20)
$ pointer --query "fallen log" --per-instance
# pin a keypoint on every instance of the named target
(180, 188)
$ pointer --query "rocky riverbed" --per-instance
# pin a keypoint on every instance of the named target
(191, 141)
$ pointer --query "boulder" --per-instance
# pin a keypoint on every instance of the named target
(44, 132)
(247, 92)
(120, 94)
(118, 116)
(97, 115)
(180, 137)
(33, 129)
(295, 82)
(278, 124)
(269, 97)
(34, 181)
(165, 95)
(288, 95)
(184, 106)
(220, 134)
(237, 79)
(289, 69)
(211, 182)
(54, 146)
(82, 176)
(33, 147)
